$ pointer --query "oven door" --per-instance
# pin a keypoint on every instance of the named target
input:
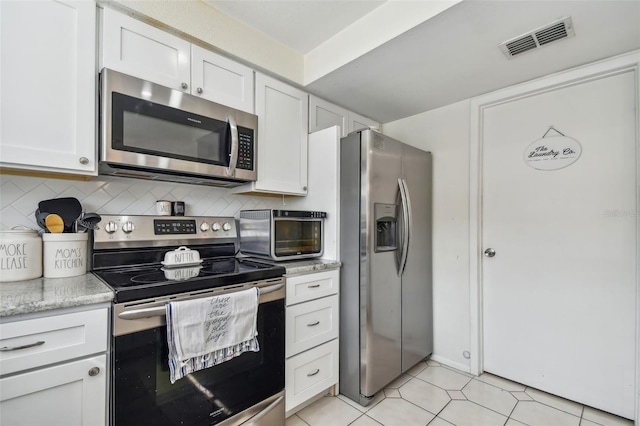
(296, 238)
(246, 388)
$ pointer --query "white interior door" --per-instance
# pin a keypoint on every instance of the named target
(559, 294)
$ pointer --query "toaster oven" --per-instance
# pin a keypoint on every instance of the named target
(282, 234)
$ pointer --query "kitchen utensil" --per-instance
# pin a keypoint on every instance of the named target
(87, 221)
(40, 219)
(54, 223)
(68, 208)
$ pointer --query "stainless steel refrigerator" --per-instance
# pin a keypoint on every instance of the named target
(386, 312)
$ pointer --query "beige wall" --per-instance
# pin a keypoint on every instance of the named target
(445, 132)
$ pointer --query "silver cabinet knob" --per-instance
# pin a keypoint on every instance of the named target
(84, 161)
(304, 188)
(94, 371)
(489, 252)
(184, 86)
(199, 90)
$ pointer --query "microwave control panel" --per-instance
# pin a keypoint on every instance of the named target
(245, 149)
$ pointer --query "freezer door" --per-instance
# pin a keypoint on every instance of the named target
(417, 309)
(380, 286)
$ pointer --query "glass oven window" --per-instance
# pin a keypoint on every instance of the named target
(293, 237)
(143, 394)
(149, 128)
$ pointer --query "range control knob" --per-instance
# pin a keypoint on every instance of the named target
(110, 227)
(215, 226)
(204, 227)
(128, 227)
(226, 226)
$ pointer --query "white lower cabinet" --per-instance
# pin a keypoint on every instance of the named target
(72, 393)
(53, 369)
(310, 373)
(312, 324)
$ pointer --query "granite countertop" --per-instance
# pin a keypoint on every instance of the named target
(306, 266)
(44, 294)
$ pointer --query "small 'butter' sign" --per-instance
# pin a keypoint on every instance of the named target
(552, 153)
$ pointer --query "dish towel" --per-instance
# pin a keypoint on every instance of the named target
(204, 332)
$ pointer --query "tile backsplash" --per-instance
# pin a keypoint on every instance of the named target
(19, 197)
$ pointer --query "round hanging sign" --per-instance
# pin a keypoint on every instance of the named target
(552, 153)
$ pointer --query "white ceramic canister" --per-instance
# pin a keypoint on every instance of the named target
(20, 255)
(65, 255)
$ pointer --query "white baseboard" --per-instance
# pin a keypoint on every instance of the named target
(452, 364)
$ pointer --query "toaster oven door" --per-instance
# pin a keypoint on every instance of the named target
(297, 238)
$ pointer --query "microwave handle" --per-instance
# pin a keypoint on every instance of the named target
(233, 155)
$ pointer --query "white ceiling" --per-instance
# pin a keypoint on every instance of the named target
(451, 56)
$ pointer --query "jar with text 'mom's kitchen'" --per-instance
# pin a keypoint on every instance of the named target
(65, 255)
(20, 254)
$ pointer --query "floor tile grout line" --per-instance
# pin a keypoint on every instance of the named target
(556, 408)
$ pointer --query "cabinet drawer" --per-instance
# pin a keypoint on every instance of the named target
(48, 340)
(310, 373)
(312, 323)
(301, 288)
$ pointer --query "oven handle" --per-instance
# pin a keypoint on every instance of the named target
(264, 412)
(160, 311)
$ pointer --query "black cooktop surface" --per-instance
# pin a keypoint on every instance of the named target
(155, 280)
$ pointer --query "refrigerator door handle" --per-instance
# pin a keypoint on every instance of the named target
(406, 219)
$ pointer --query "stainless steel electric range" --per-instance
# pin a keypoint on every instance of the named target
(128, 255)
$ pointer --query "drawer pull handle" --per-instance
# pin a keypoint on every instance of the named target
(313, 286)
(313, 324)
(314, 373)
(15, 348)
(94, 371)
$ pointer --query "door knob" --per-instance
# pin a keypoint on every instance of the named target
(489, 252)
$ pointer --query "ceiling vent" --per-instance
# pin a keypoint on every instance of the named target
(556, 30)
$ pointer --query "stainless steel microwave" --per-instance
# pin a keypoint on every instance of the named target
(282, 234)
(155, 132)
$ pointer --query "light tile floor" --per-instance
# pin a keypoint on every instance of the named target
(436, 395)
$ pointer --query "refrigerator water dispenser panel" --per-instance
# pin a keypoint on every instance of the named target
(386, 227)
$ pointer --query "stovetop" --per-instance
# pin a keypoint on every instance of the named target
(148, 281)
(128, 252)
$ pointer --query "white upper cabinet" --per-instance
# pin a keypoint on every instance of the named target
(282, 138)
(323, 114)
(48, 86)
(358, 122)
(135, 48)
(221, 80)
(141, 50)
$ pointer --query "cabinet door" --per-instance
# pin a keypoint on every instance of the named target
(282, 137)
(323, 114)
(68, 394)
(48, 86)
(135, 48)
(221, 80)
(358, 122)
